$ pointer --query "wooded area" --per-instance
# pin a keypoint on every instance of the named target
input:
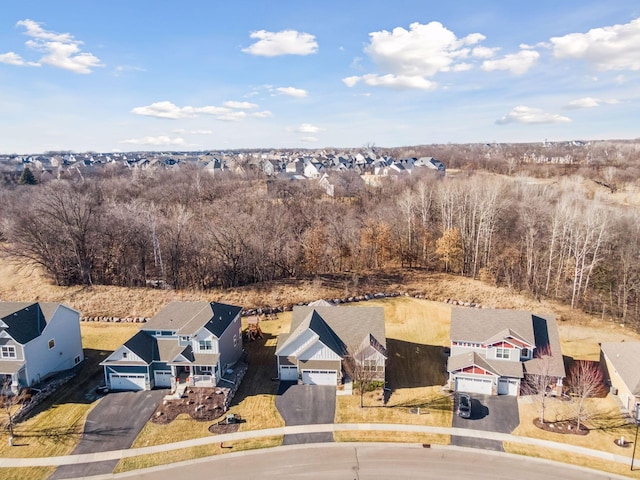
(545, 233)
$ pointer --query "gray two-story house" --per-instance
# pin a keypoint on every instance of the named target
(186, 342)
(36, 341)
(492, 351)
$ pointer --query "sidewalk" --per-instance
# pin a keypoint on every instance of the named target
(231, 437)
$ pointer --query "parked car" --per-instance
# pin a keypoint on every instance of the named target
(463, 405)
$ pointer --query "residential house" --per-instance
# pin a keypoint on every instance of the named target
(186, 342)
(620, 361)
(36, 341)
(492, 351)
(321, 337)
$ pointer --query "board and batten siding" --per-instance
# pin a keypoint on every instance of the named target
(64, 329)
(230, 344)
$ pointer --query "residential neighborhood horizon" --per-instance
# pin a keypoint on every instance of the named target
(299, 74)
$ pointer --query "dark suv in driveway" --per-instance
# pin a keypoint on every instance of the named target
(462, 405)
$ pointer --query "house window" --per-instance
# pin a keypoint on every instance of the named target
(370, 366)
(205, 345)
(76, 360)
(206, 369)
(125, 355)
(525, 353)
(8, 351)
(502, 353)
(185, 338)
(52, 343)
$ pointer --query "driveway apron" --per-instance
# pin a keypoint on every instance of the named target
(306, 405)
(489, 414)
(113, 424)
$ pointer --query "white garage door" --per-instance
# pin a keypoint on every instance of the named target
(288, 373)
(473, 385)
(126, 381)
(162, 378)
(320, 377)
(507, 387)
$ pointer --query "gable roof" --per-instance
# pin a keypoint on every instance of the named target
(352, 325)
(479, 325)
(498, 367)
(25, 321)
(624, 356)
(490, 325)
(145, 346)
(187, 318)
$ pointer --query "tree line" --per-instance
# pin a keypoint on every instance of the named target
(189, 229)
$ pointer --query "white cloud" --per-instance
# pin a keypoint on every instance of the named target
(483, 52)
(528, 115)
(608, 48)
(35, 30)
(232, 116)
(516, 63)
(161, 140)
(240, 105)
(307, 128)
(408, 58)
(589, 102)
(286, 42)
(309, 139)
(164, 110)
(292, 92)
(60, 50)
(390, 80)
(423, 50)
(182, 131)
(13, 58)
(232, 111)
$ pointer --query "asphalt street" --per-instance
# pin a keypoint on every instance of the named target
(364, 462)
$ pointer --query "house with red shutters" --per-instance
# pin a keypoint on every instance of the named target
(493, 351)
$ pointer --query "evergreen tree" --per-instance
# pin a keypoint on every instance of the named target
(27, 177)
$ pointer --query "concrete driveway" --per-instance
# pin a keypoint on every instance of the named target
(490, 414)
(113, 424)
(306, 405)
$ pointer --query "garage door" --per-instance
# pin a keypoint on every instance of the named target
(162, 378)
(127, 381)
(288, 373)
(507, 387)
(473, 385)
(320, 377)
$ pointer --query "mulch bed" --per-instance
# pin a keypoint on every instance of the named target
(562, 426)
(225, 428)
(202, 404)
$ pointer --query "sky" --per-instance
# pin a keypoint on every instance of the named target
(211, 75)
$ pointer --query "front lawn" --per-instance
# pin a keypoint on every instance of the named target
(417, 332)
(606, 425)
(57, 424)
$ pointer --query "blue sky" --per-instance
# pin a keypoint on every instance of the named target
(198, 75)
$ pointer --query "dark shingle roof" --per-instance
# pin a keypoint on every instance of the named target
(145, 346)
(25, 321)
(187, 318)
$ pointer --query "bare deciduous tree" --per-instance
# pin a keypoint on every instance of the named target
(585, 380)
